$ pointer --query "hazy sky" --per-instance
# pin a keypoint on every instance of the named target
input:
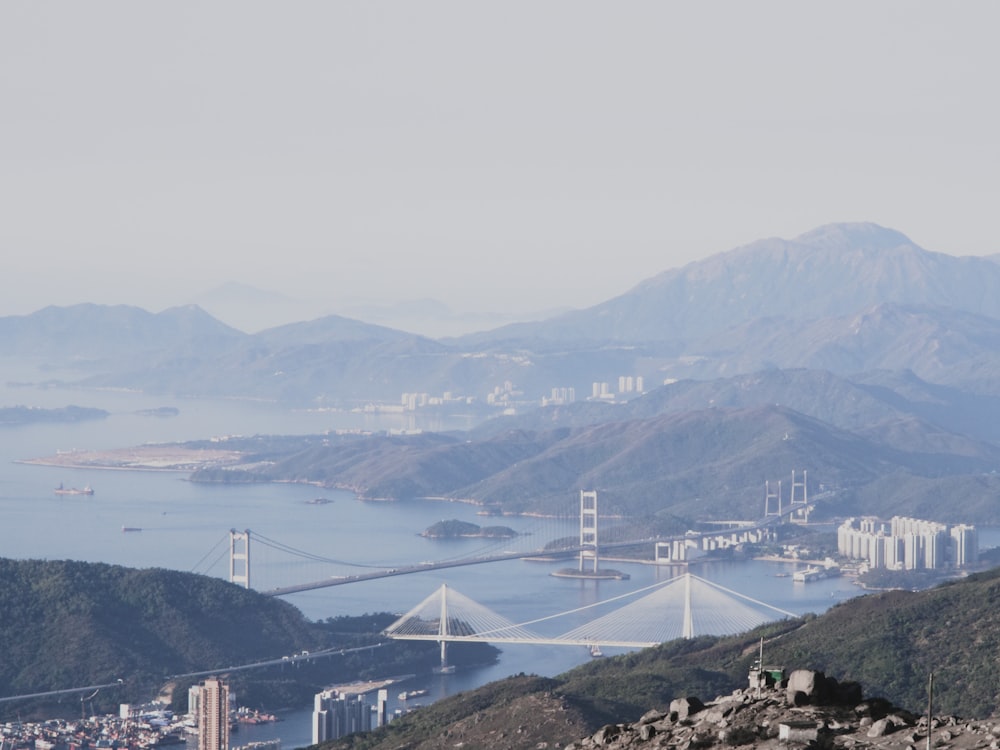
(496, 156)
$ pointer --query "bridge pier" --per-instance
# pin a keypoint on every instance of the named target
(588, 528)
(445, 668)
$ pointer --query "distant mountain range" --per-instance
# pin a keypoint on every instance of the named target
(251, 309)
(846, 298)
(880, 360)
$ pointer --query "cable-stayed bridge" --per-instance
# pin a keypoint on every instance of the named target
(681, 607)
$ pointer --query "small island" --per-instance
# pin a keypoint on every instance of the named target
(456, 529)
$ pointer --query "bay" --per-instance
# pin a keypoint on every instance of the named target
(185, 526)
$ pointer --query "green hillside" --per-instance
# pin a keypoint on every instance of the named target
(699, 465)
(67, 624)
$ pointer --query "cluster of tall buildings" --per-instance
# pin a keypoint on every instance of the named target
(508, 395)
(337, 714)
(415, 401)
(600, 391)
(560, 396)
(908, 543)
(504, 395)
(695, 545)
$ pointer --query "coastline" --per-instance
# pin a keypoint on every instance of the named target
(141, 458)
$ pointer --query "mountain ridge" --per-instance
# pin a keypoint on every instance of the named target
(832, 270)
(845, 298)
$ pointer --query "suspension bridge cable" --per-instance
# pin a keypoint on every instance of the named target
(282, 547)
(217, 559)
(194, 569)
(540, 521)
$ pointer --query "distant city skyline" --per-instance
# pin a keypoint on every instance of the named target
(513, 159)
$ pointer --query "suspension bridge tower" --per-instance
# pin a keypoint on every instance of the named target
(799, 506)
(588, 529)
(239, 557)
(769, 497)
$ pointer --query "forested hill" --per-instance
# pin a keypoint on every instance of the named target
(67, 624)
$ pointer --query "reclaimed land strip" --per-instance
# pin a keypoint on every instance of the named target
(142, 458)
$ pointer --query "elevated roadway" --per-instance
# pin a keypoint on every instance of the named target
(428, 566)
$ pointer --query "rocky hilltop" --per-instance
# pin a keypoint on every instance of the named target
(806, 709)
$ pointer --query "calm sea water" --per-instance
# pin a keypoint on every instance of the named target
(185, 527)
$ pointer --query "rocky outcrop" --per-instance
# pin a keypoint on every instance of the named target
(807, 709)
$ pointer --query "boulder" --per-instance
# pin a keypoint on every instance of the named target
(804, 681)
(798, 731)
(652, 716)
(881, 728)
(646, 732)
(682, 708)
(820, 690)
(606, 734)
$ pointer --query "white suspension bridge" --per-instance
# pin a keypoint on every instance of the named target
(559, 531)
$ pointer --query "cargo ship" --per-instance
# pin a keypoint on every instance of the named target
(813, 573)
(87, 490)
